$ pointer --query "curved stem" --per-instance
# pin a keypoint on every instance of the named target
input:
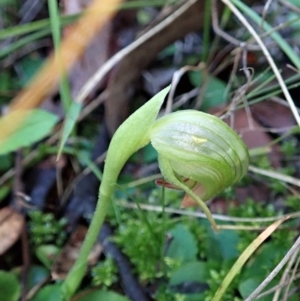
(78, 270)
(130, 137)
(168, 172)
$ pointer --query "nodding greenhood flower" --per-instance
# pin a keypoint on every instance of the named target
(198, 153)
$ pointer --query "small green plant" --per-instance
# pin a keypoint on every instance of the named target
(44, 228)
(197, 153)
(145, 253)
(105, 273)
(289, 148)
(215, 280)
(165, 294)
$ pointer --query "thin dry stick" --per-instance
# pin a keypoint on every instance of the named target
(284, 278)
(290, 6)
(225, 35)
(175, 80)
(275, 175)
(289, 254)
(292, 277)
(182, 99)
(99, 75)
(274, 288)
(281, 102)
(264, 13)
(235, 66)
(202, 215)
(268, 57)
(246, 228)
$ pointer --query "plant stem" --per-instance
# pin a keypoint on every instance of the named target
(130, 137)
(78, 270)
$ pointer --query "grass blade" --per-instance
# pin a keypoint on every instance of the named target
(69, 124)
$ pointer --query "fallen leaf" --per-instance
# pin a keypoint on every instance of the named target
(254, 134)
(280, 117)
(11, 225)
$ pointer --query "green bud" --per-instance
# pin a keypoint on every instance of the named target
(201, 148)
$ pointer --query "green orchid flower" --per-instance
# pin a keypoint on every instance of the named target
(200, 154)
(197, 153)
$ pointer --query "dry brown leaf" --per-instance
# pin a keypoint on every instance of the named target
(11, 226)
(273, 115)
(68, 255)
(254, 135)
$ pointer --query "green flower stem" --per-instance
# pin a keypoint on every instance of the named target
(78, 270)
(132, 135)
(191, 145)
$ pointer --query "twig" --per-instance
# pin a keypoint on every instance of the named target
(292, 278)
(268, 57)
(99, 75)
(275, 175)
(202, 215)
(175, 80)
(271, 290)
(224, 34)
(284, 279)
(290, 6)
(271, 276)
(264, 13)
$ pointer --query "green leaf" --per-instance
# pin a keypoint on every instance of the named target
(36, 275)
(215, 90)
(47, 254)
(9, 286)
(248, 286)
(100, 295)
(222, 244)
(69, 124)
(150, 154)
(35, 125)
(49, 293)
(193, 271)
(183, 245)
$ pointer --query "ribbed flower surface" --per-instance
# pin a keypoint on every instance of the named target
(202, 148)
